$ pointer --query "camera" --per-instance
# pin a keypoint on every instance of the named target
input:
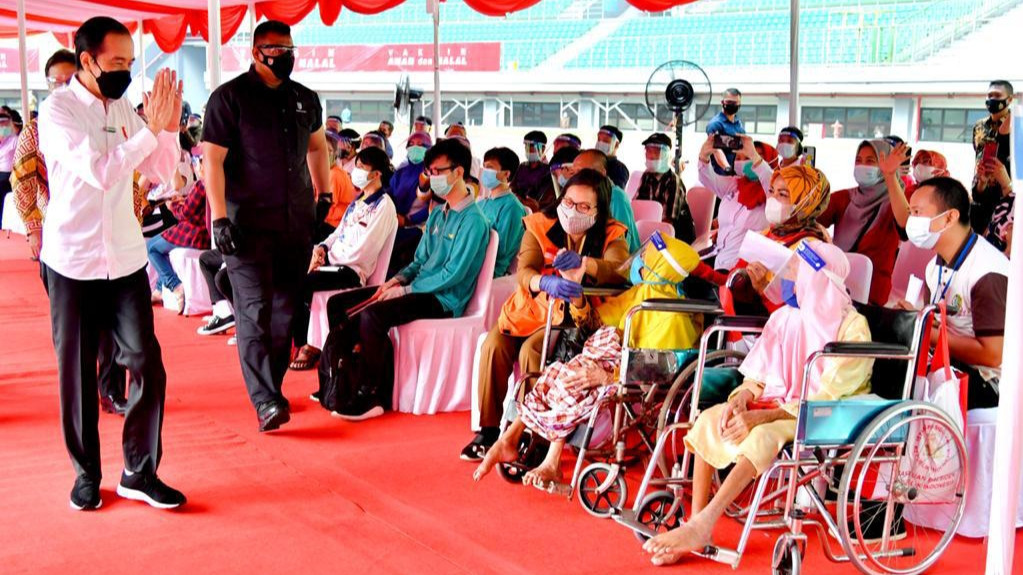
(726, 142)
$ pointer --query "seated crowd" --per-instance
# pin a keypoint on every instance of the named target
(567, 222)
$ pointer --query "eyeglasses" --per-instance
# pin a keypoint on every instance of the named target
(438, 171)
(54, 82)
(581, 207)
(275, 50)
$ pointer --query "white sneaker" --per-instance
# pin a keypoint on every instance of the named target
(233, 340)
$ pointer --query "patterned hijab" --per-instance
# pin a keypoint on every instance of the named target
(809, 192)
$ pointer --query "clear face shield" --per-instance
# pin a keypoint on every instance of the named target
(781, 289)
(639, 273)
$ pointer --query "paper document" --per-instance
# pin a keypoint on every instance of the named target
(914, 287)
(328, 269)
(758, 248)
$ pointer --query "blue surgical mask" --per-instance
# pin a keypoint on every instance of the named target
(440, 185)
(562, 180)
(653, 278)
(416, 154)
(788, 293)
(489, 179)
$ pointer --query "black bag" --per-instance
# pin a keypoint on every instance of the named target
(337, 373)
(157, 221)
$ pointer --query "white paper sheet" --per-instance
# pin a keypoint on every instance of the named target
(914, 287)
(758, 248)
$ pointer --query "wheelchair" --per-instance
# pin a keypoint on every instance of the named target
(880, 457)
(620, 430)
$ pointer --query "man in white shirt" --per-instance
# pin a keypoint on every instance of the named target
(95, 256)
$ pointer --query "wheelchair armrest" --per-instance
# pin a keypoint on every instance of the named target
(866, 349)
(602, 291)
(682, 306)
(740, 322)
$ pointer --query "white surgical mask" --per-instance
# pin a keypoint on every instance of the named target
(918, 230)
(360, 178)
(604, 147)
(867, 176)
(923, 172)
(787, 151)
(658, 166)
(776, 212)
(573, 222)
(440, 185)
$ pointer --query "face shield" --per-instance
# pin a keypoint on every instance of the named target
(781, 289)
(638, 272)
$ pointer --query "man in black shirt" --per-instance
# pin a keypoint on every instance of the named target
(264, 153)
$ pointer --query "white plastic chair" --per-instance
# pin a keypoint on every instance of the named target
(861, 271)
(647, 228)
(632, 187)
(319, 324)
(647, 210)
(910, 261)
(701, 206)
(433, 358)
(185, 262)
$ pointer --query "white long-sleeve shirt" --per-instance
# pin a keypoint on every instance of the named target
(92, 152)
(734, 219)
(359, 238)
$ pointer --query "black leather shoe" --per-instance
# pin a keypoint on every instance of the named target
(85, 494)
(115, 405)
(272, 415)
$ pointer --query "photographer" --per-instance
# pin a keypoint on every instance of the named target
(726, 122)
(991, 212)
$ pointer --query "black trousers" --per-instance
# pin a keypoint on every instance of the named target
(80, 312)
(369, 331)
(266, 280)
(112, 380)
(217, 282)
(344, 278)
(980, 394)
(405, 244)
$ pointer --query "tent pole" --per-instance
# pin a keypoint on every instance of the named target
(23, 56)
(794, 63)
(142, 55)
(213, 47)
(436, 65)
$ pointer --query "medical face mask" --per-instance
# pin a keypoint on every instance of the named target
(6, 131)
(604, 147)
(562, 180)
(573, 222)
(281, 66)
(787, 151)
(489, 179)
(440, 185)
(360, 178)
(922, 172)
(777, 212)
(918, 231)
(416, 154)
(867, 176)
(995, 105)
(112, 84)
(788, 293)
(658, 166)
(638, 265)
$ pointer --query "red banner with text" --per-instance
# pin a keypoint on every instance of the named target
(459, 57)
(10, 63)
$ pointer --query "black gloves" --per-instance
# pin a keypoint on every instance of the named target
(226, 236)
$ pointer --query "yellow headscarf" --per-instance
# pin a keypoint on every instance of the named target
(657, 330)
(809, 193)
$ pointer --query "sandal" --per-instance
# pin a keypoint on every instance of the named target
(307, 358)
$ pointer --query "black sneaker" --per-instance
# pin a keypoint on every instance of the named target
(272, 415)
(478, 447)
(362, 407)
(148, 488)
(315, 396)
(85, 494)
(217, 325)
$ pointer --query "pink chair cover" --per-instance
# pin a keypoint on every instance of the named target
(319, 326)
(647, 228)
(980, 448)
(153, 276)
(861, 270)
(647, 210)
(502, 289)
(910, 261)
(185, 262)
(632, 186)
(701, 205)
(433, 358)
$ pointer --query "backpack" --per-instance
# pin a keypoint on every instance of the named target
(337, 373)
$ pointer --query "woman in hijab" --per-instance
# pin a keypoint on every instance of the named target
(759, 418)
(863, 218)
(567, 392)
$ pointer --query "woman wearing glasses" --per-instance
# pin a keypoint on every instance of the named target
(572, 242)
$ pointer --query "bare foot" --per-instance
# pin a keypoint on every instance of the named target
(501, 452)
(692, 536)
(542, 476)
(665, 559)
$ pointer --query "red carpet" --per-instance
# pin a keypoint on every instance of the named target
(321, 496)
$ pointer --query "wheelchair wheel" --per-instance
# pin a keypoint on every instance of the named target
(656, 513)
(602, 490)
(787, 559)
(909, 459)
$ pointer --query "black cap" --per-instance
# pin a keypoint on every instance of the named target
(564, 156)
(424, 120)
(535, 136)
(657, 138)
(613, 130)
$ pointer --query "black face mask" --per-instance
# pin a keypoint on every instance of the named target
(112, 84)
(282, 65)
(995, 105)
(730, 108)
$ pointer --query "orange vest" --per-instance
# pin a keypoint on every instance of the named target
(524, 314)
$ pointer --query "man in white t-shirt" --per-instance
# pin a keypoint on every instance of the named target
(969, 274)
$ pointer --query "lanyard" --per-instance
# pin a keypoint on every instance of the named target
(955, 268)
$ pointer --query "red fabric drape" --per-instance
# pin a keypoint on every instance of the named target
(499, 7)
(168, 32)
(658, 5)
(287, 11)
(364, 6)
(230, 20)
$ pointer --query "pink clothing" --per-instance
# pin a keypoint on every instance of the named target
(792, 334)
